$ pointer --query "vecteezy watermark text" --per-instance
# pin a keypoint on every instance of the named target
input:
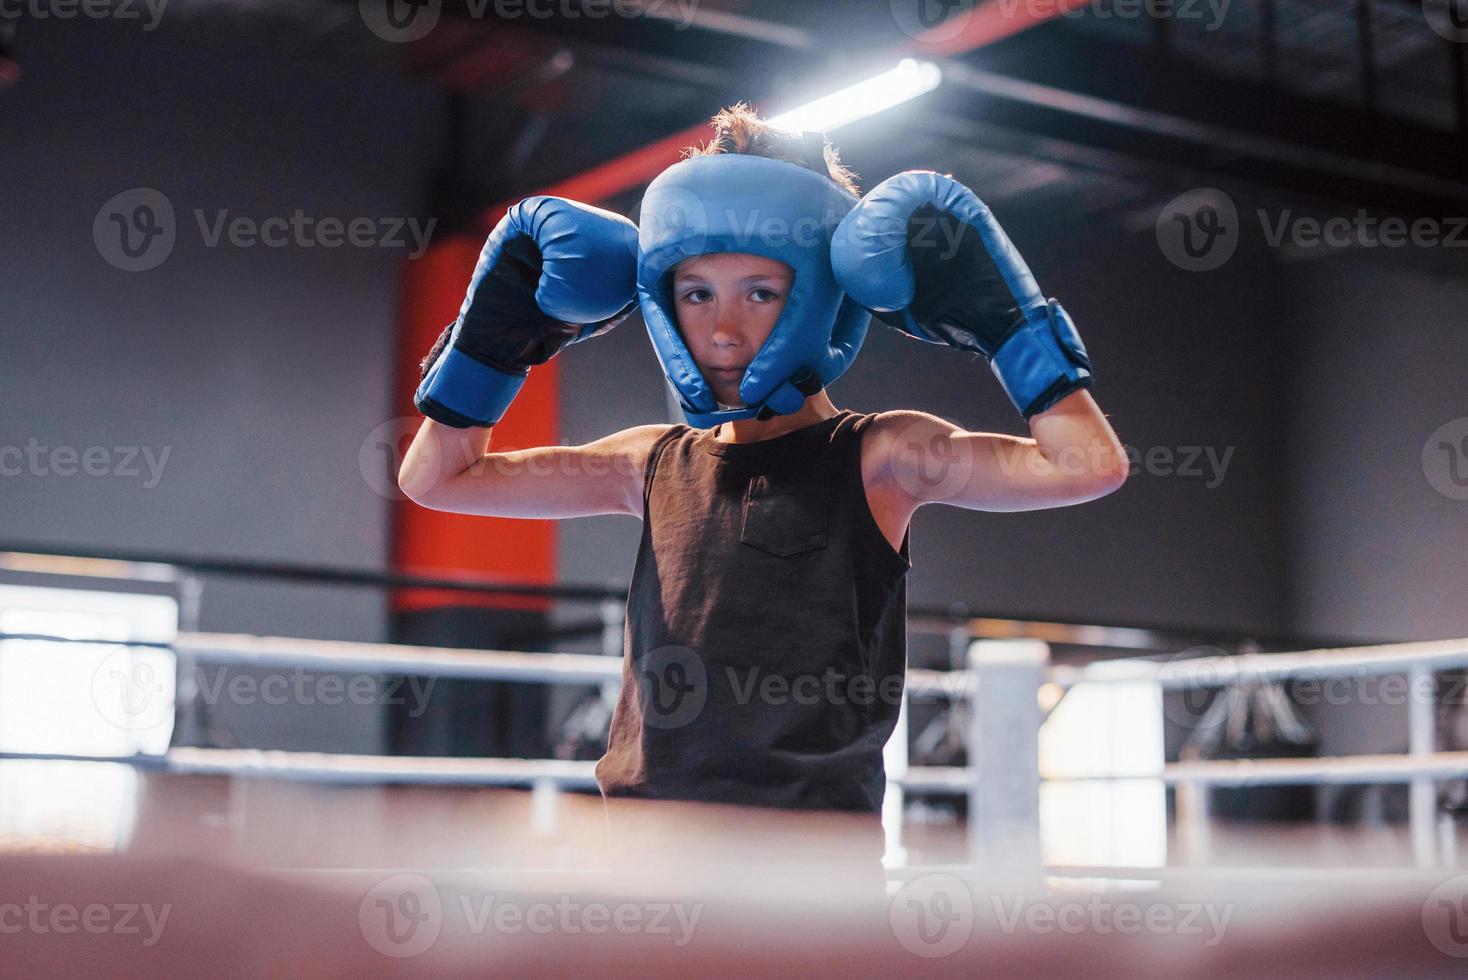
(39, 460)
(405, 21)
(935, 915)
(303, 687)
(1363, 230)
(940, 21)
(1201, 229)
(568, 916)
(304, 231)
(1105, 915)
(1210, 13)
(381, 454)
(152, 10)
(403, 916)
(39, 917)
(135, 690)
(1208, 463)
(675, 684)
(137, 230)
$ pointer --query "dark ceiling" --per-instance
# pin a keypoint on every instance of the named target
(1105, 109)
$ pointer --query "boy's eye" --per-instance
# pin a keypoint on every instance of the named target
(701, 294)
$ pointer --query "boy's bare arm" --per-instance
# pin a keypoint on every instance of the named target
(1073, 456)
(453, 470)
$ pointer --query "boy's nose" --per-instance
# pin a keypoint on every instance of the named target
(727, 331)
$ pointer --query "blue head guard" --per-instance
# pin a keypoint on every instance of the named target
(748, 204)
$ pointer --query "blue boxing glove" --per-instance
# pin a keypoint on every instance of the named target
(552, 273)
(926, 256)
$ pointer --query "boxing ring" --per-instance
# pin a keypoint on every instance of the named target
(327, 861)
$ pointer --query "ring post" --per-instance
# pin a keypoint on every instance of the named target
(1421, 741)
(1004, 752)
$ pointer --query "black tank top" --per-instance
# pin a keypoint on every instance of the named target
(766, 642)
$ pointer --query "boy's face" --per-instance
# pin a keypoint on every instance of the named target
(727, 304)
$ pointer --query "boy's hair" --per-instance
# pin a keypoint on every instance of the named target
(738, 129)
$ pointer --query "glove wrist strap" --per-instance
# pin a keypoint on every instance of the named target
(1043, 361)
(460, 391)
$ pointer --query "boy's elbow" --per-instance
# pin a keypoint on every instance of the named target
(1098, 486)
(407, 490)
(1094, 474)
(413, 485)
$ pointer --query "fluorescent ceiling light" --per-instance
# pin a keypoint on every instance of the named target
(908, 80)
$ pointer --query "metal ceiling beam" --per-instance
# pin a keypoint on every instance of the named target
(729, 24)
(465, 53)
(1187, 130)
(1460, 91)
(991, 22)
(1199, 118)
(977, 27)
(1153, 180)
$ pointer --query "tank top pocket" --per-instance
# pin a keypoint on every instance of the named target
(783, 520)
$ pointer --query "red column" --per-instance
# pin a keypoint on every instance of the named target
(428, 541)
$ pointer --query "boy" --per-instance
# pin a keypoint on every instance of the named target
(765, 638)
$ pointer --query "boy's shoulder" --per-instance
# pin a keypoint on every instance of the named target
(901, 425)
(636, 442)
(893, 442)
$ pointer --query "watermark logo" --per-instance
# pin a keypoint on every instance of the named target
(940, 21)
(1198, 231)
(301, 230)
(1211, 13)
(400, 21)
(566, 916)
(401, 916)
(1445, 916)
(404, 916)
(305, 688)
(873, 231)
(932, 21)
(1449, 18)
(937, 463)
(1219, 685)
(405, 21)
(1361, 230)
(135, 231)
(679, 216)
(133, 689)
(381, 455)
(1208, 464)
(1102, 915)
(1445, 459)
(150, 12)
(380, 459)
(929, 462)
(1188, 706)
(673, 682)
(933, 916)
(39, 917)
(47, 462)
(831, 687)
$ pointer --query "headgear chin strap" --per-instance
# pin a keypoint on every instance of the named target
(739, 203)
